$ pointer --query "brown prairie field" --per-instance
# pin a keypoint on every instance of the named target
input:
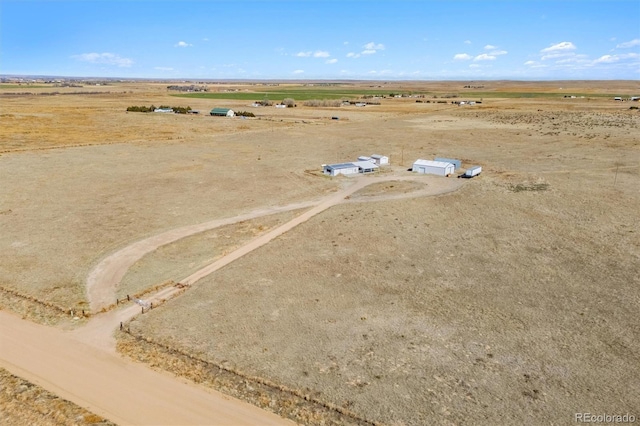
(511, 300)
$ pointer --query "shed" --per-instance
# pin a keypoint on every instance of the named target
(439, 168)
(340, 169)
(222, 112)
(366, 166)
(380, 160)
(165, 110)
(365, 158)
(457, 163)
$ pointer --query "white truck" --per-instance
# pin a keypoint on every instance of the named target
(472, 171)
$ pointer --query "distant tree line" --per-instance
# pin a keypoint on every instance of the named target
(244, 114)
(177, 110)
(191, 88)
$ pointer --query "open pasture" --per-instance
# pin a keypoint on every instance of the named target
(511, 299)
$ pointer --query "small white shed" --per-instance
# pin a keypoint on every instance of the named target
(340, 169)
(380, 160)
(439, 168)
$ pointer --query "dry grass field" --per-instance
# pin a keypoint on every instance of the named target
(512, 300)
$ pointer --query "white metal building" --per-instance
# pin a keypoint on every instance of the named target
(340, 169)
(456, 163)
(366, 166)
(439, 168)
(380, 160)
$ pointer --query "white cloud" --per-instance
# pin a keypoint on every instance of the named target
(316, 54)
(331, 61)
(560, 47)
(484, 57)
(373, 46)
(182, 44)
(607, 59)
(610, 59)
(461, 57)
(353, 55)
(489, 47)
(498, 52)
(104, 59)
(628, 44)
(467, 42)
(298, 72)
(163, 68)
(370, 49)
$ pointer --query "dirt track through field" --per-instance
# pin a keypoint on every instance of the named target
(83, 366)
(104, 278)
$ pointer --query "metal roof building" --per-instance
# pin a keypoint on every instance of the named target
(366, 166)
(340, 169)
(439, 168)
(380, 159)
(457, 163)
(222, 112)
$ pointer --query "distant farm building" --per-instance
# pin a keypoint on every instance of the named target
(365, 158)
(222, 112)
(439, 168)
(165, 110)
(456, 163)
(380, 160)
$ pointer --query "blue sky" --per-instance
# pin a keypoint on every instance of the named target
(306, 39)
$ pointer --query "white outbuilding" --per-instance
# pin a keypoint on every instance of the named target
(380, 160)
(366, 166)
(440, 168)
(340, 169)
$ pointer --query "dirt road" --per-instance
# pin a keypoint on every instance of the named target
(112, 387)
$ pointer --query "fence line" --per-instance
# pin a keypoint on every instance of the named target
(32, 299)
(255, 379)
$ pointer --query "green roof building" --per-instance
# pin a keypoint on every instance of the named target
(222, 112)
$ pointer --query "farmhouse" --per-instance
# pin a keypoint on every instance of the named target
(222, 112)
(380, 160)
(340, 169)
(439, 168)
(456, 163)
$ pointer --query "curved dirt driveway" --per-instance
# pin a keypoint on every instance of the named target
(83, 366)
(105, 277)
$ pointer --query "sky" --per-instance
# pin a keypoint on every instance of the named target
(307, 39)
